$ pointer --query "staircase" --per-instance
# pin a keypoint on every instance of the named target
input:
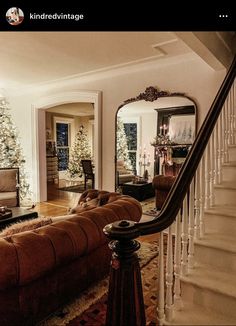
(197, 274)
(208, 290)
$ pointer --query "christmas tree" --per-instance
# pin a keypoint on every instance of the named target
(122, 146)
(80, 151)
(10, 149)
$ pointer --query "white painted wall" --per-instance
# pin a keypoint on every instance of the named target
(190, 75)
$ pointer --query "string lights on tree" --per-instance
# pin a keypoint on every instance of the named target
(80, 151)
(10, 148)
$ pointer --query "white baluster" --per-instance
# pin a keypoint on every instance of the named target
(231, 112)
(207, 178)
(184, 237)
(218, 156)
(197, 205)
(212, 171)
(202, 201)
(222, 142)
(233, 94)
(191, 222)
(169, 277)
(161, 280)
(226, 153)
(177, 261)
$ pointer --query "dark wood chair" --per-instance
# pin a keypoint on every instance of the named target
(88, 172)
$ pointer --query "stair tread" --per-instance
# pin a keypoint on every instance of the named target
(218, 241)
(210, 278)
(228, 210)
(226, 185)
(198, 315)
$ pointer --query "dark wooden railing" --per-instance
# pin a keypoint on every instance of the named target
(125, 300)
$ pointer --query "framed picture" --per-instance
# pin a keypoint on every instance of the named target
(182, 128)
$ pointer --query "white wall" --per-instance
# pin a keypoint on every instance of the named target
(190, 75)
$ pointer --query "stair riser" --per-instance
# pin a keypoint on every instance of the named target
(232, 154)
(220, 224)
(225, 196)
(216, 302)
(229, 173)
(219, 259)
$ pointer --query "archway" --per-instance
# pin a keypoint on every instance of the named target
(39, 150)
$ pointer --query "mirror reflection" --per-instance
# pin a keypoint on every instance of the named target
(154, 133)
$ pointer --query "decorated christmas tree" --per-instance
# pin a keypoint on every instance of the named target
(80, 151)
(10, 148)
(122, 146)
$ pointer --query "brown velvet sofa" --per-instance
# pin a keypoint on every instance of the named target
(42, 269)
(162, 185)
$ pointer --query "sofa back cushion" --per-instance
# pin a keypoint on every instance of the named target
(8, 180)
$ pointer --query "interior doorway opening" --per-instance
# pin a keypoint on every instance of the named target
(39, 118)
(69, 139)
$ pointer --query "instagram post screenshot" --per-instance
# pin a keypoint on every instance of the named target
(117, 164)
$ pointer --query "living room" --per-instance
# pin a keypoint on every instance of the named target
(167, 72)
(181, 62)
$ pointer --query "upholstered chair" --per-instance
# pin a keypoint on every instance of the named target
(9, 187)
(162, 185)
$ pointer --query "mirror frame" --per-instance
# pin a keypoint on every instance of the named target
(150, 94)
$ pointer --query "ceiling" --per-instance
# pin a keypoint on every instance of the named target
(32, 58)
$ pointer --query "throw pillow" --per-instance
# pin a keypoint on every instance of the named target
(27, 225)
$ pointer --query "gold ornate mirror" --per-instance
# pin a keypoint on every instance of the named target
(154, 132)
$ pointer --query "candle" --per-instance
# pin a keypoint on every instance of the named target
(161, 130)
(165, 128)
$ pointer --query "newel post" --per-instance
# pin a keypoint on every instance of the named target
(125, 304)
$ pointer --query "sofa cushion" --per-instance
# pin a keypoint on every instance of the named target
(8, 199)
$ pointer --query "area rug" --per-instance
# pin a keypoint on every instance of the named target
(76, 188)
(90, 307)
(149, 207)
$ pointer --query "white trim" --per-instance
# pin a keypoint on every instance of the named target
(39, 185)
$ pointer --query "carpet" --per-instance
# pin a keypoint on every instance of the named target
(90, 307)
(76, 188)
(149, 208)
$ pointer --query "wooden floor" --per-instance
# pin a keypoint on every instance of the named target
(59, 202)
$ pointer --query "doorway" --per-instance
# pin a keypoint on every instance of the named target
(39, 153)
(69, 137)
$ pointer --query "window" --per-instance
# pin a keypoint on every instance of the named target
(131, 135)
(62, 140)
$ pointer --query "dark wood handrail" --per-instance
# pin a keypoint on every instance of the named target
(179, 189)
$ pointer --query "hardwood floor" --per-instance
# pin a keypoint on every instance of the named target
(59, 203)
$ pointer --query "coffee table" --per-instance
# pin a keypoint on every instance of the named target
(139, 191)
(18, 214)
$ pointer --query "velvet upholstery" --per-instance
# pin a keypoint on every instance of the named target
(162, 185)
(43, 268)
(9, 192)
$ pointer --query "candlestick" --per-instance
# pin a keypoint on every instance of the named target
(144, 160)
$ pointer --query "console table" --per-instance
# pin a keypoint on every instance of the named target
(18, 214)
(139, 191)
